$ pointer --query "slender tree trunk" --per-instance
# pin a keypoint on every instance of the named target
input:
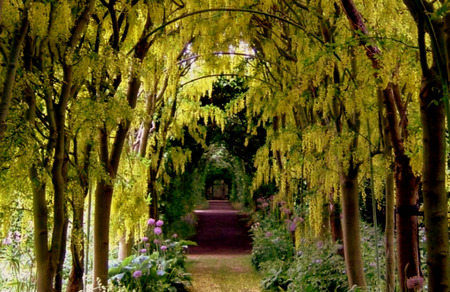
(125, 245)
(104, 191)
(407, 185)
(11, 73)
(434, 192)
(334, 209)
(153, 208)
(102, 215)
(350, 224)
(407, 199)
(389, 232)
(389, 196)
(44, 281)
(62, 255)
(75, 283)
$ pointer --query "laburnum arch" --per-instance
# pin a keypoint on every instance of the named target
(101, 95)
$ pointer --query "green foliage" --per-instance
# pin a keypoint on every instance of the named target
(317, 267)
(271, 242)
(157, 265)
(184, 192)
(17, 262)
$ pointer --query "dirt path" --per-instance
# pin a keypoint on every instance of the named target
(221, 230)
(221, 261)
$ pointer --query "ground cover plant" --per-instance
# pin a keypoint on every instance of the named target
(158, 263)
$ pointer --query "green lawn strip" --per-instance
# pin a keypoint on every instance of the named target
(217, 273)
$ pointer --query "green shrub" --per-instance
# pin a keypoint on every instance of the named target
(271, 242)
(317, 267)
(158, 265)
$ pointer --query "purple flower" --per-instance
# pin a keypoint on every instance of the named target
(292, 226)
(151, 221)
(320, 244)
(145, 238)
(415, 282)
(286, 211)
(159, 272)
(137, 274)
(159, 223)
(175, 235)
(269, 234)
(156, 241)
(143, 250)
(299, 220)
(318, 261)
(157, 230)
(265, 205)
(147, 245)
(163, 247)
(17, 236)
(7, 241)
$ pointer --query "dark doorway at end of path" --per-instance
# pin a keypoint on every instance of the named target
(221, 230)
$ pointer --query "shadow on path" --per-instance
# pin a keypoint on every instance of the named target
(221, 230)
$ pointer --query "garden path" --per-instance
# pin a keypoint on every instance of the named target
(221, 230)
(221, 261)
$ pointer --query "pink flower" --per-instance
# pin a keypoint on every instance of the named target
(299, 220)
(143, 250)
(269, 234)
(292, 226)
(415, 282)
(159, 223)
(163, 247)
(151, 221)
(156, 241)
(137, 274)
(7, 241)
(175, 235)
(145, 238)
(157, 230)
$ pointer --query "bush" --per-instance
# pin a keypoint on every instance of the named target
(271, 242)
(317, 267)
(158, 265)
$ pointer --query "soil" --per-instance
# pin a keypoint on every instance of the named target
(221, 230)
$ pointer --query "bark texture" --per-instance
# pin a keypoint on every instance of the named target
(11, 72)
(434, 192)
(350, 224)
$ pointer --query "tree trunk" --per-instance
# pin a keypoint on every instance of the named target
(350, 223)
(153, 208)
(11, 73)
(77, 249)
(334, 209)
(104, 191)
(407, 199)
(62, 255)
(44, 281)
(102, 214)
(125, 245)
(407, 185)
(389, 232)
(434, 192)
